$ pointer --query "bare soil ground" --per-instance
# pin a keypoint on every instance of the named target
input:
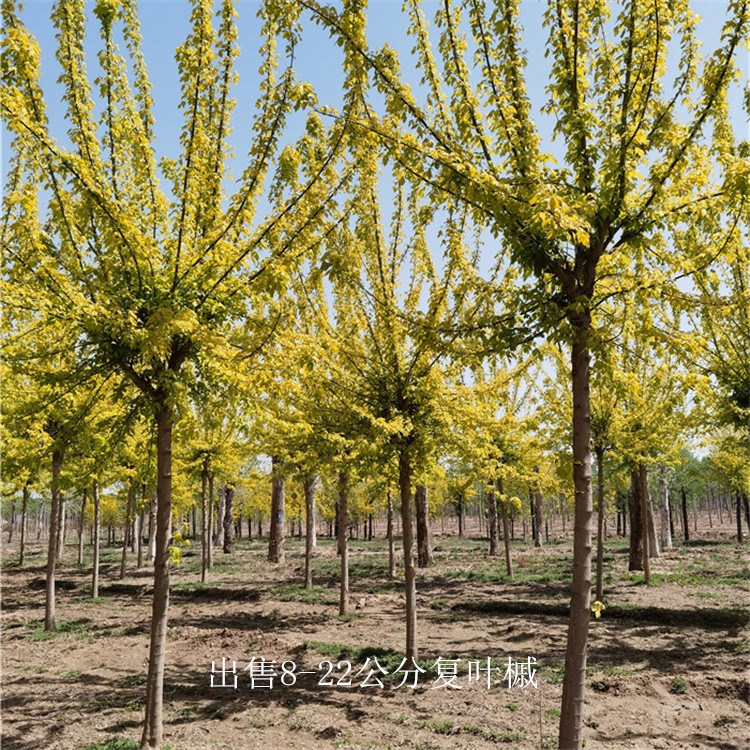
(668, 665)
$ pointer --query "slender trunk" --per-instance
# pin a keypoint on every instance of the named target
(493, 525)
(506, 539)
(139, 538)
(128, 515)
(746, 505)
(538, 513)
(277, 530)
(12, 520)
(24, 509)
(738, 514)
(152, 730)
(635, 560)
(152, 521)
(210, 534)
(460, 517)
(391, 551)
(709, 503)
(96, 542)
(424, 553)
(665, 527)
(404, 481)
(61, 527)
(49, 610)
(205, 527)
(645, 541)
(343, 517)
(219, 531)
(600, 523)
(574, 681)
(685, 524)
(229, 519)
(81, 526)
(309, 488)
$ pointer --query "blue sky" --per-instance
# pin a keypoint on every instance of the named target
(165, 25)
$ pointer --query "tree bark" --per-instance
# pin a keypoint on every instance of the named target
(600, 523)
(685, 524)
(746, 505)
(506, 537)
(404, 482)
(645, 523)
(343, 518)
(494, 532)
(152, 529)
(389, 531)
(310, 540)
(574, 681)
(277, 529)
(81, 526)
(61, 524)
(54, 529)
(538, 513)
(229, 519)
(210, 534)
(635, 560)
(24, 510)
(152, 729)
(205, 520)
(219, 531)
(738, 514)
(129, 511)
(97, 533)
(665, 525)
(424, 553)
(12, 520)
(460, 506)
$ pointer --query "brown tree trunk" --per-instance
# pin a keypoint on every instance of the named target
(61, 525)
(635, 559)
(205, 520)
(210, 535)
(152, 729)
(685, 523)
(310, 540)
(574, 681)
(424, 553)
(404, 482)
(665, 522)
(460, 505)
(54, 529)
(738, 515)
(645, 523)
(493, 525)
(229, 519)
(277, 530)
(152, 529)
(600, 523)
(343, 519)
(746, 505)
(81, 526)
(538, 513)
(506, 536)
(391, 551)
(12, 520)
(24, 510)
(128, 516)
(96, 541)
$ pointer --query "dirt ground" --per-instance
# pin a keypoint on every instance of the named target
(668, 665)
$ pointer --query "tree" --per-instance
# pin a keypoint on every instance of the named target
(151, 281)
(636, 162)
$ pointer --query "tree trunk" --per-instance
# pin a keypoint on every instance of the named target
(277, 530)
(139, 539)
(404, 482)
(229, 519)
(493, 525)
(600, 523)
(635, 560)
(54, 529)
(309, 488)
(645, 523)
(81, 526)
(665, 526)
(343, 518)
(738, 515)
(506, 538)
(61, 519)
(12, 520)
(389, 531)
(152, 729)
(574, 681)
(96, 542)
(460, 505)
(424, 553)
(219, 531)
(538, 513)
(685, 524)
(746, 504)
(210, 530)
(128, 515)
(152, 529)
(24, 510)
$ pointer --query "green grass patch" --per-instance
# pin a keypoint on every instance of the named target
(296, 592)
(116, 743)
